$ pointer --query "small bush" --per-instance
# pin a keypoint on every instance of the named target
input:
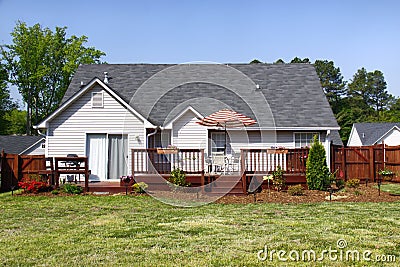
(55, 192)
(295, 190)
(317, 171)
(140, 187)
(178, 177)
(353, 183)
(340, 183)
(357, 193)
(279, 180)
(72, 189)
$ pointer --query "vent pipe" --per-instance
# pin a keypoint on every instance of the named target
(105, 77)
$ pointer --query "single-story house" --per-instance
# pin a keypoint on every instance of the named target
(373, 133)
(109, 109)
(22, 144)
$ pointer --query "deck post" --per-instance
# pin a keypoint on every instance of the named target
(202, 169)
(243, 170)
(86, 175)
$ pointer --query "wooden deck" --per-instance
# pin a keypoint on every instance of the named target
(230, 184)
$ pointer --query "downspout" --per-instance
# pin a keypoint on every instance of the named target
(151, 134)
(328, 149)
(41, 134)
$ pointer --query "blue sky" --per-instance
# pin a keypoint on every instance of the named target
(353, 34)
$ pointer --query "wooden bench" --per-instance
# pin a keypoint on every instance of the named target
(72, 165)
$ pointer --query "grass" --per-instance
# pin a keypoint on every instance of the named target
(140, 231)
(391, 188)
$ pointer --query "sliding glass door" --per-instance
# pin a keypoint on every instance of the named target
(108, 156)
(117, 156)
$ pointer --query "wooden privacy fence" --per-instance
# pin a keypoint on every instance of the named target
(365, 162)
(14, 168)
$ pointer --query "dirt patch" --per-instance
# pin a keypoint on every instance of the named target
(361, 194)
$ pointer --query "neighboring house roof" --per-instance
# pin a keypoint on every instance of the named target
(293, 92)
(371, 132)
(16, 144)
(335, 137)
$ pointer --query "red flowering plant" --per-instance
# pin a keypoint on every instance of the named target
(126, 179)
(34, 184)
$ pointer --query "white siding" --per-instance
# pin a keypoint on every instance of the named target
(354, 138)
(67, 132)
(263, 139)
(392, 138)
(37, 149)
(186, 133)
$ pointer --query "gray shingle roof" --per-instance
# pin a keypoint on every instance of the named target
(373, 131)
(15, 144)
(292, 91)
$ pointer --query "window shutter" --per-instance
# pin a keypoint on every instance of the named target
(97, 100)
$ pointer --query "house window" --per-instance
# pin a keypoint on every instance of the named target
(97, 100)
(218, 142)
(304, 139)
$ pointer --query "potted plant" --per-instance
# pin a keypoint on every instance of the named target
(386, 174)
(170, 149)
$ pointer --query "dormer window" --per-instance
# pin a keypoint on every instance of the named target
(97, 100)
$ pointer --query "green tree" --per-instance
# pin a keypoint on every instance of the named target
(332, 83)
(299, 60)
(6, 104)
(255, 61)
(279, 61)
(41, 64)
(370, 89)
(16, 122)
(317, 171)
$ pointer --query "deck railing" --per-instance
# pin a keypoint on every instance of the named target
(162, 161)
(267, 160)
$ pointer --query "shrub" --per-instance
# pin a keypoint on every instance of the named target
(296, 190)
(353, 183)
(34, 184)
(178, 177)
(72, 189)
(140, 187)
(279, 180)
(55, 192)
(340, 183)
(317, 171)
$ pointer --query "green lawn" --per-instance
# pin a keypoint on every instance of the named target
(391, 188)
(140, 231)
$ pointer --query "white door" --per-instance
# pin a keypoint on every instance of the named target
(97, 152)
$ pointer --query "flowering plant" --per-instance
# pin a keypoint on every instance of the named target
(126, 179)
(385, 172)
(34, 185)
(140, 187)
(268, 177)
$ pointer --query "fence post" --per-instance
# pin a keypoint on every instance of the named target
(344, 163)
(383, 154)
(371, 163)
(16, 170)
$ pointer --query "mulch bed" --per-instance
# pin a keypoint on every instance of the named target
(361, 194)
